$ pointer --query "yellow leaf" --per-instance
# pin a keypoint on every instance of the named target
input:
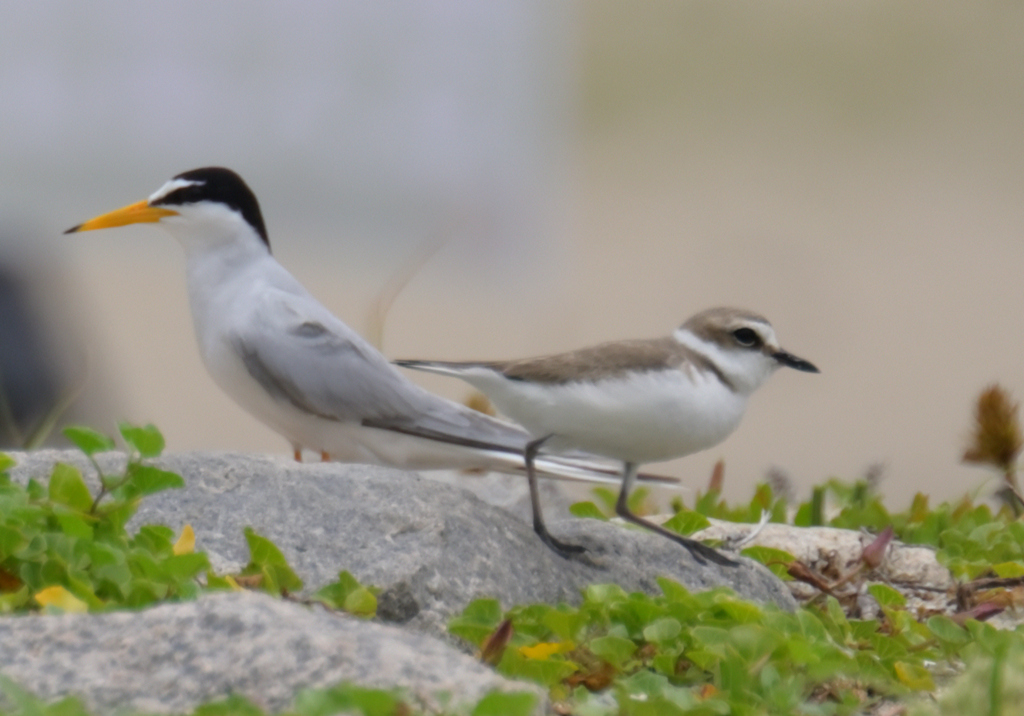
(914, 675)
(58, 596)
(231, 581)
(545, 650)
(708, 691)
(186, 544)
(1008, 570)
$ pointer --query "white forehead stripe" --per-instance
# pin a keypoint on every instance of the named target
(172, 185)
(689, 339)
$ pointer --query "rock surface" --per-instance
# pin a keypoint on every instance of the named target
(430, 548)
(174, 657)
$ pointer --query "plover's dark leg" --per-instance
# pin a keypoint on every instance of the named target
(699, 550)
(561, 548)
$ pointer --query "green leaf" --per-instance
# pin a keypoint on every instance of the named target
(663, 630)
(233, 705)
(810, 625)
(74, 526)
(348, 699)
(262, 550)
(637, 501)
(116, 514)
(503, 703)
(886, 596)
(587, 509)
(6, 462)
(837, 617)
(34, 490)
(743, 612)
(686, 522)
(115, 578)
(216, 581)
(145, 440)
(144, 592)
(608, 497)
(914, 676)
(710, 636)
(348, 594)
(1008, 570)
(11, 540)
(87, 440)
(604, 593)
(11, 601)
(564, 622)
(266, 559)
(485, 610)
(361, 602)
(184, 567)
(948, 630)
(157, 540)
(544, 671)
(147, 480)
(477, 621)
(673, 590)
(775, 559)
(613, 649)
(68, 488)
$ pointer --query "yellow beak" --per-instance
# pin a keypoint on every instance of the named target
(138, 213)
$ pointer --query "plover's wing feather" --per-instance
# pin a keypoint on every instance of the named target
(607, 360)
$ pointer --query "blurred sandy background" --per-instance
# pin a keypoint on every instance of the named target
(599, 170)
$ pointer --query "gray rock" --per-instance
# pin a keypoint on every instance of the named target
(173, 657)
(512, 494)
(430, 547)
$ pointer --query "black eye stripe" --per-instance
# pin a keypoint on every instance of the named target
(220, 185)
(185, 195)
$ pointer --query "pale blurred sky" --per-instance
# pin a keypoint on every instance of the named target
(346, 117)
(602, 170)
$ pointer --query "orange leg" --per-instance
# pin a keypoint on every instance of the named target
(324, 456)
(297, 453)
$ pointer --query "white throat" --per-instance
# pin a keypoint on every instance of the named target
(746, 370)
(207, 226)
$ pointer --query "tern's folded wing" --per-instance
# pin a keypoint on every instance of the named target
(301, 354)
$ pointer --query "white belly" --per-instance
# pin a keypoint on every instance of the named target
(649, 417)
(343, 441)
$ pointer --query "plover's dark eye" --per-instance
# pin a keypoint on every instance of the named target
(747, 337)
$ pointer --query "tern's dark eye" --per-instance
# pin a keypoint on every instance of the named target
(747, 337)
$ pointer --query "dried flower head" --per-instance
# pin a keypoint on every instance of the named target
(494, 645)
(717, 481)
(874, 553)
(781, 484)
(996, 439)
(874, 475)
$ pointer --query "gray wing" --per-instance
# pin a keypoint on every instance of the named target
(302, 354)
